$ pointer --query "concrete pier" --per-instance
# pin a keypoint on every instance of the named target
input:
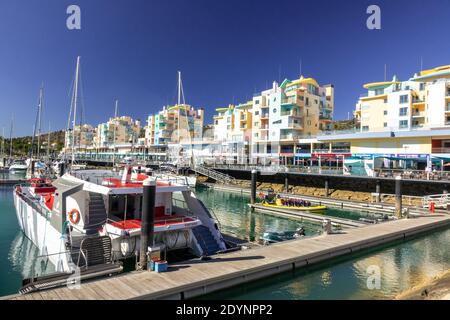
(195, 278)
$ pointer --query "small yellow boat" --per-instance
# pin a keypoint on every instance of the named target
(279, 205)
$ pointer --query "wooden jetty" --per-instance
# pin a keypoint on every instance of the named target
(195, 278)
(10, 182)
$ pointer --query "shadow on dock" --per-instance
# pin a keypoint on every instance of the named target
(186, 264)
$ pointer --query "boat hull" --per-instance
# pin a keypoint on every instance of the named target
(44, 236)
(293, 208)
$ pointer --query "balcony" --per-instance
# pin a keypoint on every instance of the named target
(293, 125)
(291, 113)
(290, 100)
(440, 150)
(265, 115)
(289, 136)
(419, 114)
(418, 101)
(325, 117)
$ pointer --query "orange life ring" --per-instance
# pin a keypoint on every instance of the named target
(74, 216)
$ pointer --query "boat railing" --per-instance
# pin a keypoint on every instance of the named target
(33, 203)
(167, 177)
(162, 220)
(214, 215)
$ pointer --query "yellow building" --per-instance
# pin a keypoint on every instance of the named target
(402, 119)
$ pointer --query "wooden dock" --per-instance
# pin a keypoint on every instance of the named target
(194, 278)
(12, 182)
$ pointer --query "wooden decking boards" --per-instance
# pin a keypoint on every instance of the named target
(192, 278)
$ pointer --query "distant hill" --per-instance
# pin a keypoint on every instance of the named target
(21, 145)
(344, 124)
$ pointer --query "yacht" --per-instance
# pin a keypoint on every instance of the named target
(69, 217)
(18, 165)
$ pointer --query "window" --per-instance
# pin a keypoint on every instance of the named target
(385, 112)
(385, 100)
(403, 111)
(256, 101)
(276, 122)
(274, 110)
(422, 86)
(256, 135)
(307, 102)
(385, 124)
(403, 124)
(404, 98)
(256, 124)
(379, 92)
(365, 128)
(256, 113)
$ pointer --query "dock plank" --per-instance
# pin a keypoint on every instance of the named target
(234, 267)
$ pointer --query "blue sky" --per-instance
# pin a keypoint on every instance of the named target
(131, 50)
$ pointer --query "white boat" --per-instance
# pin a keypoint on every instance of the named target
(102, 206)
(18, 165)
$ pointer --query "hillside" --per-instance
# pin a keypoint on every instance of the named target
(21, 145)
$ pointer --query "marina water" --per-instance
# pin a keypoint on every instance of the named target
(402, 264)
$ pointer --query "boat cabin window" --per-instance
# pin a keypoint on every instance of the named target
(125, 207)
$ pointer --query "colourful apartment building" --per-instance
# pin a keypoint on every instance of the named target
(118, 132)
(233, 132)
(175, 124)
(269, 129)
(81, 137)
(407, 119)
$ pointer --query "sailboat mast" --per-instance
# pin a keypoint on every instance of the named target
(114, 133)
(179, 102)
(48, 142)
(10, 138)
(75, 101)
(3, 141)
(41, 97)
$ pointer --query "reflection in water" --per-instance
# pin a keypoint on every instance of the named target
(402, 265)
(26, 260)
(14, 175)
(236, 218)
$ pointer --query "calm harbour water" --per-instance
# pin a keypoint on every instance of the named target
(402, 264)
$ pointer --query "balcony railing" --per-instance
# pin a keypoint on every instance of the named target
(440, 150)
(292, 100)
(289, 137)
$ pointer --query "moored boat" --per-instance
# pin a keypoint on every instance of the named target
(18, 165)
(66, 217)
(273, 200)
